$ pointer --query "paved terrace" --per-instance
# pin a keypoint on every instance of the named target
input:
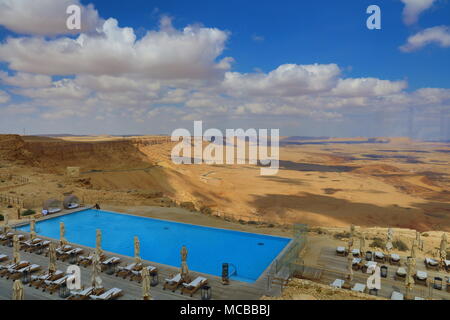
(132, 289)
(335, 267)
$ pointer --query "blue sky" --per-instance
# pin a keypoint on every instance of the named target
(254, 67)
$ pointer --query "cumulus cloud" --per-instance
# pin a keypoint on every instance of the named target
(367, 87)
(165, 54)
(413, 9)
(286, 80)
(439, 35)
(4, 97)
(45, 17)
(25, 80)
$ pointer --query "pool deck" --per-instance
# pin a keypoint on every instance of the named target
(236, 290)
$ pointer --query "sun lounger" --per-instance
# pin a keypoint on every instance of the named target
(127, 270)
(356, 263)
(52, 286)
(73, 252)
(356, 252)
(39, 247)
(72, 206)
(87, 260)
(193, 286)
(421, 277)
(338, 283)
(9, 236)
(137, 275)
(394, 259)
(110, 262)
(400, 274)
(431, 264)
(81, 294)
(53, 211)
(113, 293)
(4, 270)
(15, 274)
(38, 280)
(26, 245)
(369, 265)
(397, 296)
(3, 257)
(341, 251)
(379, 257)
(173, 283)
(359, 287)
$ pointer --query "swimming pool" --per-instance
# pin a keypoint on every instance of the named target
(161, 241)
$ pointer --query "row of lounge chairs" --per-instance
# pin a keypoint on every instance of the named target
(187, 287)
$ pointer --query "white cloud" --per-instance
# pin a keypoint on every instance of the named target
(439, 35)
(162, 54)
(413, 8)
(4, 97)
(45, 17)
(26, 80)
(63, 89)
(286, 80)
(367, 87)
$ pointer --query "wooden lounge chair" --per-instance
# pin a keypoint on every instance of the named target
(86, 261)
(193, 286)
(137, 275)
(357, 264)
(82, 294)
(356, 253)
(400, 274)
(53, 286)
(113, 261)
(173, 283)
(127, 270)
(37, 281)
(431, 264)
(4, 270)
(341, 251)
(62, 251)
(397, 296)
(359, 287)
(39, 247)
(27, 244)
(379, 257)
(111, 294)
(15, 274)
(421, 277)
(5, 239)
(394, 259)
(67, 254)
(3, 257)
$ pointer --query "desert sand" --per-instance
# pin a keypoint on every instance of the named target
(385, 182)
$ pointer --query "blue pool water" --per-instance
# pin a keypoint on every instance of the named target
(161, 241)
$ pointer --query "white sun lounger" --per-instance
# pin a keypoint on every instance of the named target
(72, 205)
(195, 282)
(379, 255)
(359, 287)
(340, 249)
(395, 257)
(150, 270)
(356, 252)
(174, 279)
(356, 260)
(431, 262)
(421, 275)
(46, 276)
(112, 260)
(82, 293)
(3, 257)
(129, 267)
(419, 298)
(397, 296)
(338, 283)
(59, 282)
(111, 293)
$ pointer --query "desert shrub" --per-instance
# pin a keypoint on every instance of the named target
(425, 235)
(342, 235)
(28, 212)
(2, 217)
(377, 243)
(400, 245)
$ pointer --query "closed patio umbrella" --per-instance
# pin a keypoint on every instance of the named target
(409, 280)
(443, 248)
(6, 227)
(16, 248)
(17, 293)
(146, 284)
(33, 229)
(184, 253)
(137, 250)
(52, 258)
(96, 281)
(362, 244)
(184, 271)
(98, 242)
(390, 237)
(62, 234)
